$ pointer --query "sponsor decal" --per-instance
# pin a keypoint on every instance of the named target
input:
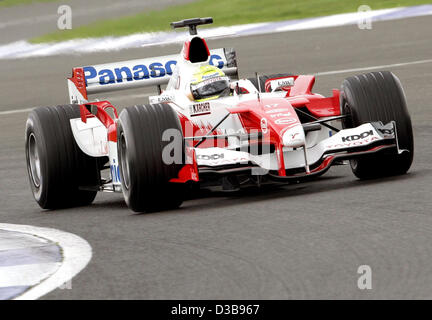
(216, 156)
(285, 121)
(357, 136)
(294, 137)
(275, 110)
(386, 131)
(281, 83)
(357, 143)
(161, 99)
(285, 82)
(280, 114)
(274, 105)
(138, 72)
(223, 160)
(165, 98)
(199, 109)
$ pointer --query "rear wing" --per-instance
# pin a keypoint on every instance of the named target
(137, 73)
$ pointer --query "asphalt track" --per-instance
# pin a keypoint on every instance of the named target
(294, 242)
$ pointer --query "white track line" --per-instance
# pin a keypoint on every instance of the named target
(76, 255)
(15, 111)
(394, 65)
(337, 20)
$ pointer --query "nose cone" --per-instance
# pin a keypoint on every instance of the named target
(294, 137)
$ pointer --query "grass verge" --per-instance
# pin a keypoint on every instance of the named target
(224, 12)
(10, 3)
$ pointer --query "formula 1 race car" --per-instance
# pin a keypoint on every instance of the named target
(209, 128)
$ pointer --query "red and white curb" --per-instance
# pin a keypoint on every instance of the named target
(24, 49)
(35, 260)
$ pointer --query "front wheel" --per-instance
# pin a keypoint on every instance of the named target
(378, 96)
(150, 148)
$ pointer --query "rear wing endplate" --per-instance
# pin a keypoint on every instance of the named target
(137, 73)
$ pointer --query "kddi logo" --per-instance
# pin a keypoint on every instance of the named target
(357, 136)
(200, 108)
(210, 157)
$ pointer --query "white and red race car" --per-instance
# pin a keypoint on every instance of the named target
(267, 129)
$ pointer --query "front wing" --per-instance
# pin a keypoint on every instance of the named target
(345, 144)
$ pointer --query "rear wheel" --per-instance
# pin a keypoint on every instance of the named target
(378, 96)
(145, 165)
(58, 170)
(263, 79)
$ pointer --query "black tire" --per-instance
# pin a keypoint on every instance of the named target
(378, 96)
(63, 167)
(144, 175)
(263, 79)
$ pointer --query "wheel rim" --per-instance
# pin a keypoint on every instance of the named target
(354, 164)
(124, 163)
(34, 161)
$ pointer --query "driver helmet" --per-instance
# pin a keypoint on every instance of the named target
(209, 82)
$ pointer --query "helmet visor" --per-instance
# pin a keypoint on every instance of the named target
(210, 87)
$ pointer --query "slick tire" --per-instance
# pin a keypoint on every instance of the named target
(57, 168)
(378, 96)
(147, 162)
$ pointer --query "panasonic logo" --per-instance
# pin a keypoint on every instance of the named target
(138, 72)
